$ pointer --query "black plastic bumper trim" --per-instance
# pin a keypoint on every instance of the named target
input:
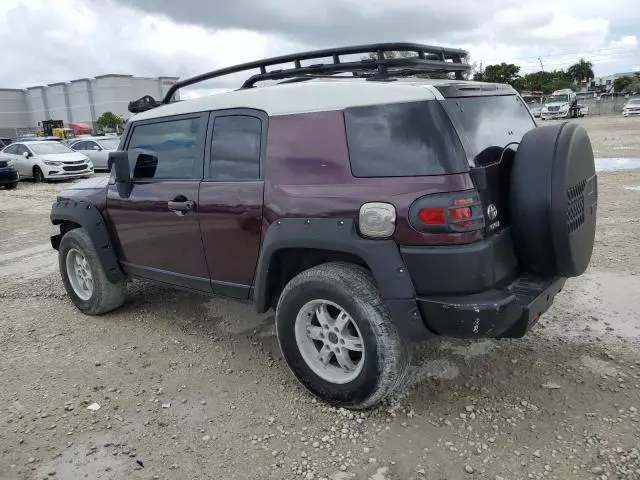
(509, 312)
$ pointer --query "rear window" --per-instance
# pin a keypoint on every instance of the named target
(491, 121)
(403, 140)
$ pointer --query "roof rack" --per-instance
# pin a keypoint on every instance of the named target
(426, 59)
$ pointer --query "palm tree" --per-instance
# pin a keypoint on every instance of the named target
(581, 71)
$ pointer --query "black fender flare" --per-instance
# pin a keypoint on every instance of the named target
(88, 217)
(340, 235)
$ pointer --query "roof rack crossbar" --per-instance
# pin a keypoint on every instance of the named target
(427, 57)
(381, 68)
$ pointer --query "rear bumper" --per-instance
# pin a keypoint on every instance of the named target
(506, 312)
(470, 291)
(8, 176)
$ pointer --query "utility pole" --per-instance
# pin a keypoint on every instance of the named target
(541, 66)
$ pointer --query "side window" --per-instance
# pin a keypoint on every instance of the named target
(90, 145)
(235, 148)
(79, 146)
(402, 140)
(11, 150)
(21, 149)
(170, 148)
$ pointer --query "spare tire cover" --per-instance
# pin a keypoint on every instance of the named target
(553, 199)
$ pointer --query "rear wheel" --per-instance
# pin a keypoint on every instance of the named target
(337, 338)
(11, 186)
(83, 276)
(38, 176)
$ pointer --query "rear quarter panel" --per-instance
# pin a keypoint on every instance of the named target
(308, 174)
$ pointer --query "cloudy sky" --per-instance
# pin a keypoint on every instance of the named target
(47, 41)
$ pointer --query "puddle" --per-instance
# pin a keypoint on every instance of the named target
(603, 303)
(616, 164)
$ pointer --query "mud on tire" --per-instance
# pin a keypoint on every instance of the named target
(384, 358)
(106, 296)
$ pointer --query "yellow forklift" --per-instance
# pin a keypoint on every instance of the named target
(55, 128)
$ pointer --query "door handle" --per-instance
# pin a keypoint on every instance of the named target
(181, 207)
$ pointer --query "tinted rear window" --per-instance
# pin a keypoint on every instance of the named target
(403, 140)
(491, 121)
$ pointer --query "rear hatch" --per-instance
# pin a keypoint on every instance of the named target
(491, 122)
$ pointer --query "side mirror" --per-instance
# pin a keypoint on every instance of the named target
(96, 148)
(120, 161)
(26, 154)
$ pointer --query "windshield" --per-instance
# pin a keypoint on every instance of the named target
(47, 148)
(109, 143)
(491, 121)
(557, 99)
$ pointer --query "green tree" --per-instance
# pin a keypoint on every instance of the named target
(109, 121)
(500, 73)
(627, 84)
(583, 70)
(545, 82)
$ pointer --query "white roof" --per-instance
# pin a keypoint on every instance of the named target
(302, 97)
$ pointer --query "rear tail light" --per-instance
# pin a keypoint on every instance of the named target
(458, 212)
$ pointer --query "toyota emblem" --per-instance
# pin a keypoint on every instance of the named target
(492, 212)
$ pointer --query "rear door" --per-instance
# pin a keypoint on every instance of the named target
(157, 225)
(231, 198)
(491, 128)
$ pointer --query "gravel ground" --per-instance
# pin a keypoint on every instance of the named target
(195, 388)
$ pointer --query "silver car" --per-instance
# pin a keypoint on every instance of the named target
(97, 149)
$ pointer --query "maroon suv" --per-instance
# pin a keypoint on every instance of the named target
(368, 204)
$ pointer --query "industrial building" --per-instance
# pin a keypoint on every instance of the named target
(79, 101)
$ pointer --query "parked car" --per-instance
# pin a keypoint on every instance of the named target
(97, 149)
(632, 107)
(8, 175)
(583, 110)
(373, 213)
(46, 160)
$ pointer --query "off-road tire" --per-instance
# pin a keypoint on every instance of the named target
(106, 295)
(386, 355)
(38, 176)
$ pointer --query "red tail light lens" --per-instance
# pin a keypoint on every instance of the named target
(432, 216)
(461, 217)
(454, 212)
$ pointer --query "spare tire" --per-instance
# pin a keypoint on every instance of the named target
(553, 199)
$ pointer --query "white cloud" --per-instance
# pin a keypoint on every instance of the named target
(83, 38)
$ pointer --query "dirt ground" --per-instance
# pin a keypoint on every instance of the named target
(195, 388)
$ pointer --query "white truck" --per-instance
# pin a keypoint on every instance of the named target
(560, 104)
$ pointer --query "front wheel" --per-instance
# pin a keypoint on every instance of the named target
(83, 276)
(11, 186)
(38, 176)
(337, 338)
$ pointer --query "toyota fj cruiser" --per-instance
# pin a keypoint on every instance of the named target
(368, 204)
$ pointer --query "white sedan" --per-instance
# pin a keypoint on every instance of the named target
(44, 160)
(97, 149)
